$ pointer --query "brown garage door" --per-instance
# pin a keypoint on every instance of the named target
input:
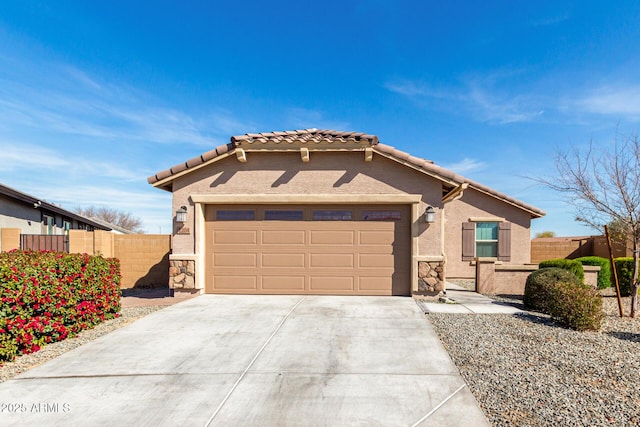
(333, 250)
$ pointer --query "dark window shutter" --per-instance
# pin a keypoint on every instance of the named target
(504, 241)
(468, 241)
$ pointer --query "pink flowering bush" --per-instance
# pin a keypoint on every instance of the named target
(48, 296)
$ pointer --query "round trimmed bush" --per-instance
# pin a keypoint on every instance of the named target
(577, 306)
(540, 284)
(568, 264)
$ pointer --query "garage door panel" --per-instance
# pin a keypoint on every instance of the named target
(235, 237)
(379, 285)
(283, 283)
(382, 237)
(283, 260)
(376, 260)
(324, 237)
(234, 260)
(331, 261)
(331, 283)
(283, 237)
(234, 282)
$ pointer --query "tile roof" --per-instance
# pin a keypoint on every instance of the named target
(306, 136)
(315, 136)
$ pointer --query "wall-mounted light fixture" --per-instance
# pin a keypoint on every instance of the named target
(430, 215)
(181, 214)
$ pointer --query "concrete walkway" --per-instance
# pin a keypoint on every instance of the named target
(466, 302)
(147, 297)
(253, 360)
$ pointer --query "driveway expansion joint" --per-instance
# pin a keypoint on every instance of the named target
(438, 406)
(244, 373)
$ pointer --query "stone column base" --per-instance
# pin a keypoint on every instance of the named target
(182, 274)
(431, 281)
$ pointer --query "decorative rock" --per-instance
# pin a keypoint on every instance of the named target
(431, 277)
(182, 274)
(423, 269)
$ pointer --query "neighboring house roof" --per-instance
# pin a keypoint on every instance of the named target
(114, 228)
(314, 139)
(41, 204)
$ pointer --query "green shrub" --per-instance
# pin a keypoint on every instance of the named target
(568, 264)
(559, 293)
(604, 275)
(539, 286)
(47, 296)
(576, 305)
(624, 268)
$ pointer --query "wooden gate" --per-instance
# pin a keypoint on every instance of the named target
(44, 242)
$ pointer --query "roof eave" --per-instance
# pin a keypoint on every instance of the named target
(43, 205)
(163, 179)
(424, 168)
(451, 178)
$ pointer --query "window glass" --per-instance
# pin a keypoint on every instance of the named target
(49, 222)
(332, 215)
(283, 215)
(381, 215)
(235, 215)
(487, 239)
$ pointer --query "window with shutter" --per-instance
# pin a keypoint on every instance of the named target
(486, 239)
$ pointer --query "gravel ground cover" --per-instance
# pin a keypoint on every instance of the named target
(524, 370)
(51, 351)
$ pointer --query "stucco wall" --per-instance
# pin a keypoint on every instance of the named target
(18, 215)
(496, 279)
(476, 204)
(326, 173)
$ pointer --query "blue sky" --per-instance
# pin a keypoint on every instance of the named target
(97, 96)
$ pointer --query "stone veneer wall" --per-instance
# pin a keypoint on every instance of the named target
(182, 274)
(431, 279)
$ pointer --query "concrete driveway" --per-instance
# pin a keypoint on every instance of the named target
(253, 361)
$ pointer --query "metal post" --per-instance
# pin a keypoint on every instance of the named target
(615, 273)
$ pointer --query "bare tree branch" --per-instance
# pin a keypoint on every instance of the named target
(113, 216)
(603, 185)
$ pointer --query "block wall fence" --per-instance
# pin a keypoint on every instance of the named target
(144, 258)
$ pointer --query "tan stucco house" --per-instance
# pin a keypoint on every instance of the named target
(326, 212)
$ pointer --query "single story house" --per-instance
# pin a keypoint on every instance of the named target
(327, 212)
(34, 216)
